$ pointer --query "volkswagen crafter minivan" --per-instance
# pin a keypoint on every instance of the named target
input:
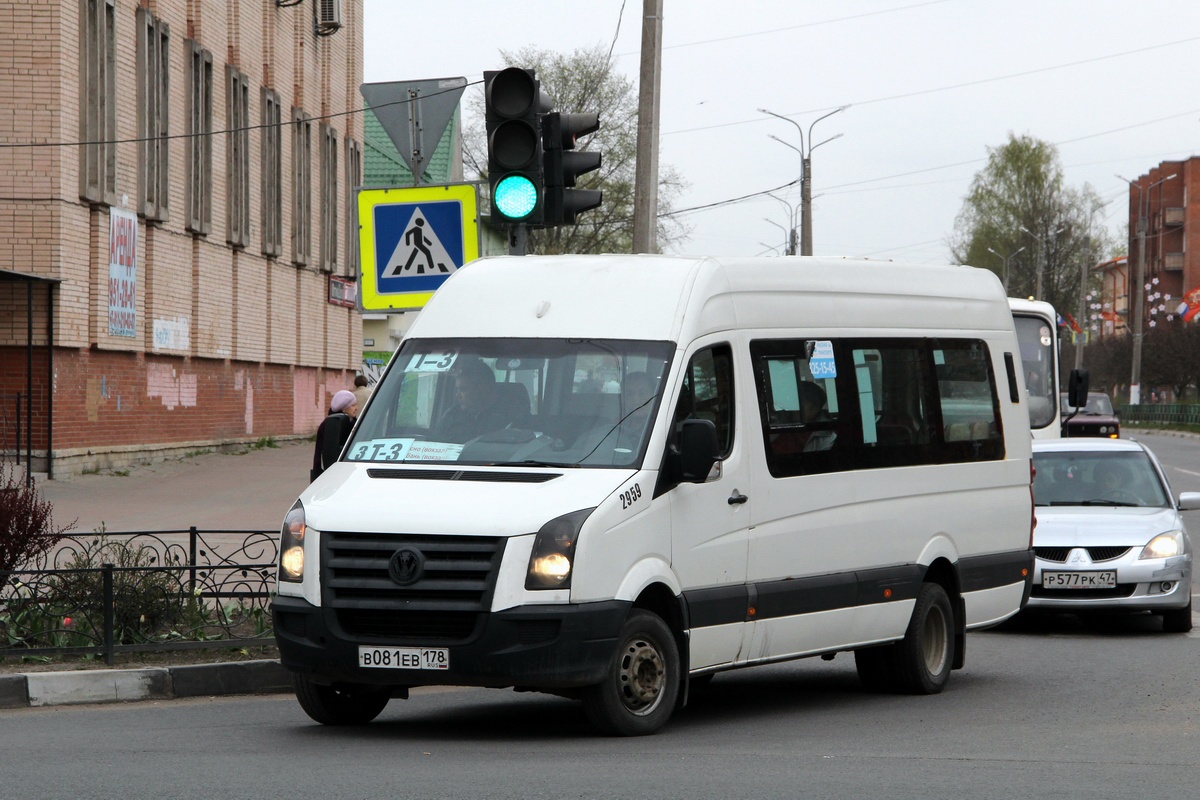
(608, 477)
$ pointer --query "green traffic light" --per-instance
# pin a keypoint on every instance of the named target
(515, 196)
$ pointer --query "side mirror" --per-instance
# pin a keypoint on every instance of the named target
(697, 450)
(1077, 388)
(1189, 501)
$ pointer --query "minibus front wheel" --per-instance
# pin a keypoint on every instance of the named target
(330, 705)
(639, 691)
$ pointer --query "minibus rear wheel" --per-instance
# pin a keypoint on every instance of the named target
(924, 657)
(639, 692)
(331, 705)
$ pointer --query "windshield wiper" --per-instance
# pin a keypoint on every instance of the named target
(1101, 502)
(533, 462)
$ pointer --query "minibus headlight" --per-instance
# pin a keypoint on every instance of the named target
(291, 545)
(551, 561)
(1164, 545)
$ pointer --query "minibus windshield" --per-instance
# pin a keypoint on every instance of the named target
(531, 402)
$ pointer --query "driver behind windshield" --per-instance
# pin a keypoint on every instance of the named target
(473, 412)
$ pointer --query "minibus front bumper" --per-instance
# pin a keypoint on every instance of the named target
(545, 647)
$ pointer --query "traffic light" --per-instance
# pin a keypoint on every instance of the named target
(563, 164)
(513, 102)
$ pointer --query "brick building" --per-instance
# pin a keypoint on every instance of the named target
(1171, 210)
(175, 223)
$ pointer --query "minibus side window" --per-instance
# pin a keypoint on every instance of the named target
(893, 379)
(970, 406)
(707, 393)
(805, 403)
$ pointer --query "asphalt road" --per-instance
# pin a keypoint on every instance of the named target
(1050, 709)
(1046, 707)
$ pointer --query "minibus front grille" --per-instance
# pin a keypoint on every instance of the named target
(442, 599)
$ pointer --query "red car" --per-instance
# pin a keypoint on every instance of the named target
(1097, 418)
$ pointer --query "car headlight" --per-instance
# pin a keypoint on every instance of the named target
(550, 563)
(291, 545)
(1164, 545)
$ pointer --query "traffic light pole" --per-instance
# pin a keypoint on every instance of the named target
(518, 240)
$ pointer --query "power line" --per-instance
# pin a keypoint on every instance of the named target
(844, 186)
(798, 27)
(26, 145)
(980, 82)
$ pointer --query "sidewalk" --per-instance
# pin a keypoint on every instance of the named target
(212, 491)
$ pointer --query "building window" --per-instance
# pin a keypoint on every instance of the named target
(237, 147)
(199, 179)
(98, 113)
(329, 198)
(272, 179)
(154, 89)
(301, 186)
(353, 180)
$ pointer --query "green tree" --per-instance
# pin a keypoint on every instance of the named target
(1020, 200)
(585, 81)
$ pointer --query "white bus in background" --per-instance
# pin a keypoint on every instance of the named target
(1036, 323)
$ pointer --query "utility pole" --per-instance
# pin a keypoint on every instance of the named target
(645, 185)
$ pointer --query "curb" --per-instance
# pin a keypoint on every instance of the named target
(74, 687)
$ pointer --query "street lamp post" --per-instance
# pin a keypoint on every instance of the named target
(1006, 259)
(1135, 379)
(786, 233)
(1041, 259)
(806, 174)
(1083, 273)
(790, 249)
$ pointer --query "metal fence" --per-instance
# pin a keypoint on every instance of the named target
(107, 593)
(1160, 414)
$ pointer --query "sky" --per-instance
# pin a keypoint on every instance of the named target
(930, 84)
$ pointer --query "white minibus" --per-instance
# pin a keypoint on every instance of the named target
(611, 477)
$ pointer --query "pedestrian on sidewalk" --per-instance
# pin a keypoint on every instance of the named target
(361, 391)
(333, 432)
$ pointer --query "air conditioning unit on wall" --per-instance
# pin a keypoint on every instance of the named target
(329, 15)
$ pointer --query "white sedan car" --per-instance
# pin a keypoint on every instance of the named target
(1109, 535)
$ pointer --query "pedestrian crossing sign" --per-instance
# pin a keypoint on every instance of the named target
(411, 240)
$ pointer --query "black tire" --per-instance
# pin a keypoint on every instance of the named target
(1178, 620)
(922, 660)
(874, 665)
(343, 705)
(638, 694)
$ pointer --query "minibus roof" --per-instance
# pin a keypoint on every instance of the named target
(676, 298)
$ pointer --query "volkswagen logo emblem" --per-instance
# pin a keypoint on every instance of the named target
(406, 566)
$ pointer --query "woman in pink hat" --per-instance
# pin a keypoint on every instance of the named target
(333, 432)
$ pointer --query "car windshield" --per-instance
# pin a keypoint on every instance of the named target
(1097, 405)
(557, 402)
(1126, 478)
(1037, 357)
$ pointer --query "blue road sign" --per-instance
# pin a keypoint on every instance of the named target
(412, 240)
